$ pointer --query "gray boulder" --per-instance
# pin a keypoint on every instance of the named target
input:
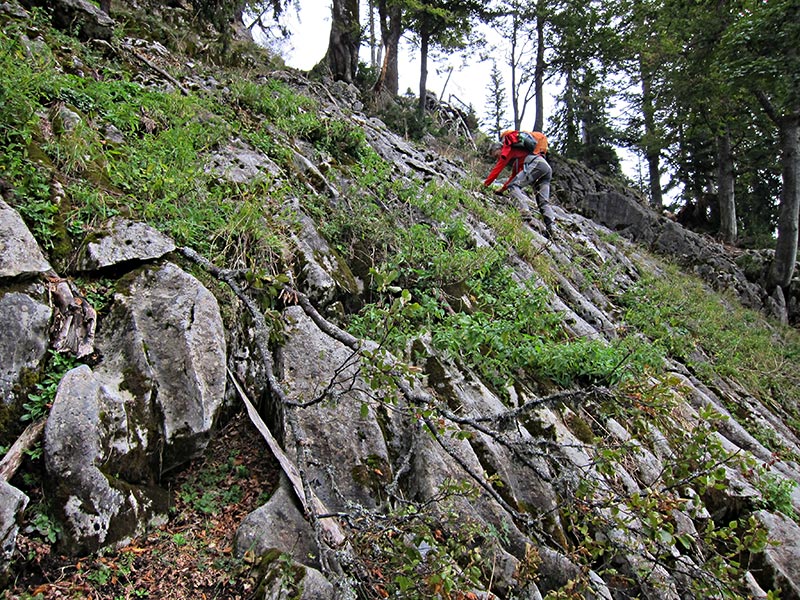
(149, 406)
(164, 341)
(286, 580)
(124, 241)
(12, 504)
(13, 9)
(23, 339)
(20, 255)
(323, 274)
(97, 463)
(781, 558)
(241, 164)
(622, 213)
(278, 524)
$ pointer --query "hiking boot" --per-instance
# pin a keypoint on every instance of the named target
(550, 229)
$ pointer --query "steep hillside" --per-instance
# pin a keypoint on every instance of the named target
(211, 274)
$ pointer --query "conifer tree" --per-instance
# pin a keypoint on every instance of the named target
(586, 53)
(496, 102)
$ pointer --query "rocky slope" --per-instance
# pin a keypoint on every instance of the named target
(605, 463)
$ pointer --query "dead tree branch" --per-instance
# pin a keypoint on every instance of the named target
(331, 556)
(15, 455)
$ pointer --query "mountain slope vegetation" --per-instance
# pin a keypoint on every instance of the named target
(482, 410)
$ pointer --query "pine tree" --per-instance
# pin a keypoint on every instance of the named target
(496, 102)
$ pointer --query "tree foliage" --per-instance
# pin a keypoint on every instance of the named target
(439, 24)
(706, 93)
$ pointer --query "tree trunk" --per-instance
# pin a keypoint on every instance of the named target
(782, 268)
(539, 69)
(725, 188)
(423, 71)
(652, 150)
(570, 144)
(514, 85)
(374, 49)
(345, 39)
(391, 21)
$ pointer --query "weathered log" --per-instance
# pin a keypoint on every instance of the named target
(311, 503)
(13, 458)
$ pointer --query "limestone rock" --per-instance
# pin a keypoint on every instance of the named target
(351, 441)
(23, 338)
(20, 255)
(287, 580)
(278, 524)
(124, 241)
(12, 504)
(324, 275)
(100, 476)
(781, 560)
(621, 212)
(165, 342)
(13, 9)
(241, 164)
(64, 119)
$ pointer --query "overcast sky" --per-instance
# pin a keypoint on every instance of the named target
(309, 41)
(469, 81)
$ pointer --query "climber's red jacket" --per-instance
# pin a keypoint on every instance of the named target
(507, 154)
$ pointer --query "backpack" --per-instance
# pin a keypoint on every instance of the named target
(534, 142)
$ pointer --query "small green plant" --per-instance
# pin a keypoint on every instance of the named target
(206, 502)
(40, 401)
(101, 575)
(776, 492)
(46, 527)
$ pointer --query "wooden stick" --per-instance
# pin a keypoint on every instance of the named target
(312, 505)
(13, 458)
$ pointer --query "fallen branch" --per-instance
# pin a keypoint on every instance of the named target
(13, 458)
(146, 62)
(159, 70)
(312, 505)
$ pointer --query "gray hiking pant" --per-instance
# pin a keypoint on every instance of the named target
(537, 173)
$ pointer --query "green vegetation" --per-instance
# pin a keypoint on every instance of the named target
(159, 174)
(644, 523)
(777, 493)
(40, 401)
(412, 244)
(214, 488)
(440, 553)
(717, 337)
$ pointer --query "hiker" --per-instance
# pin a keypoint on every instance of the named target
(526, 152)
